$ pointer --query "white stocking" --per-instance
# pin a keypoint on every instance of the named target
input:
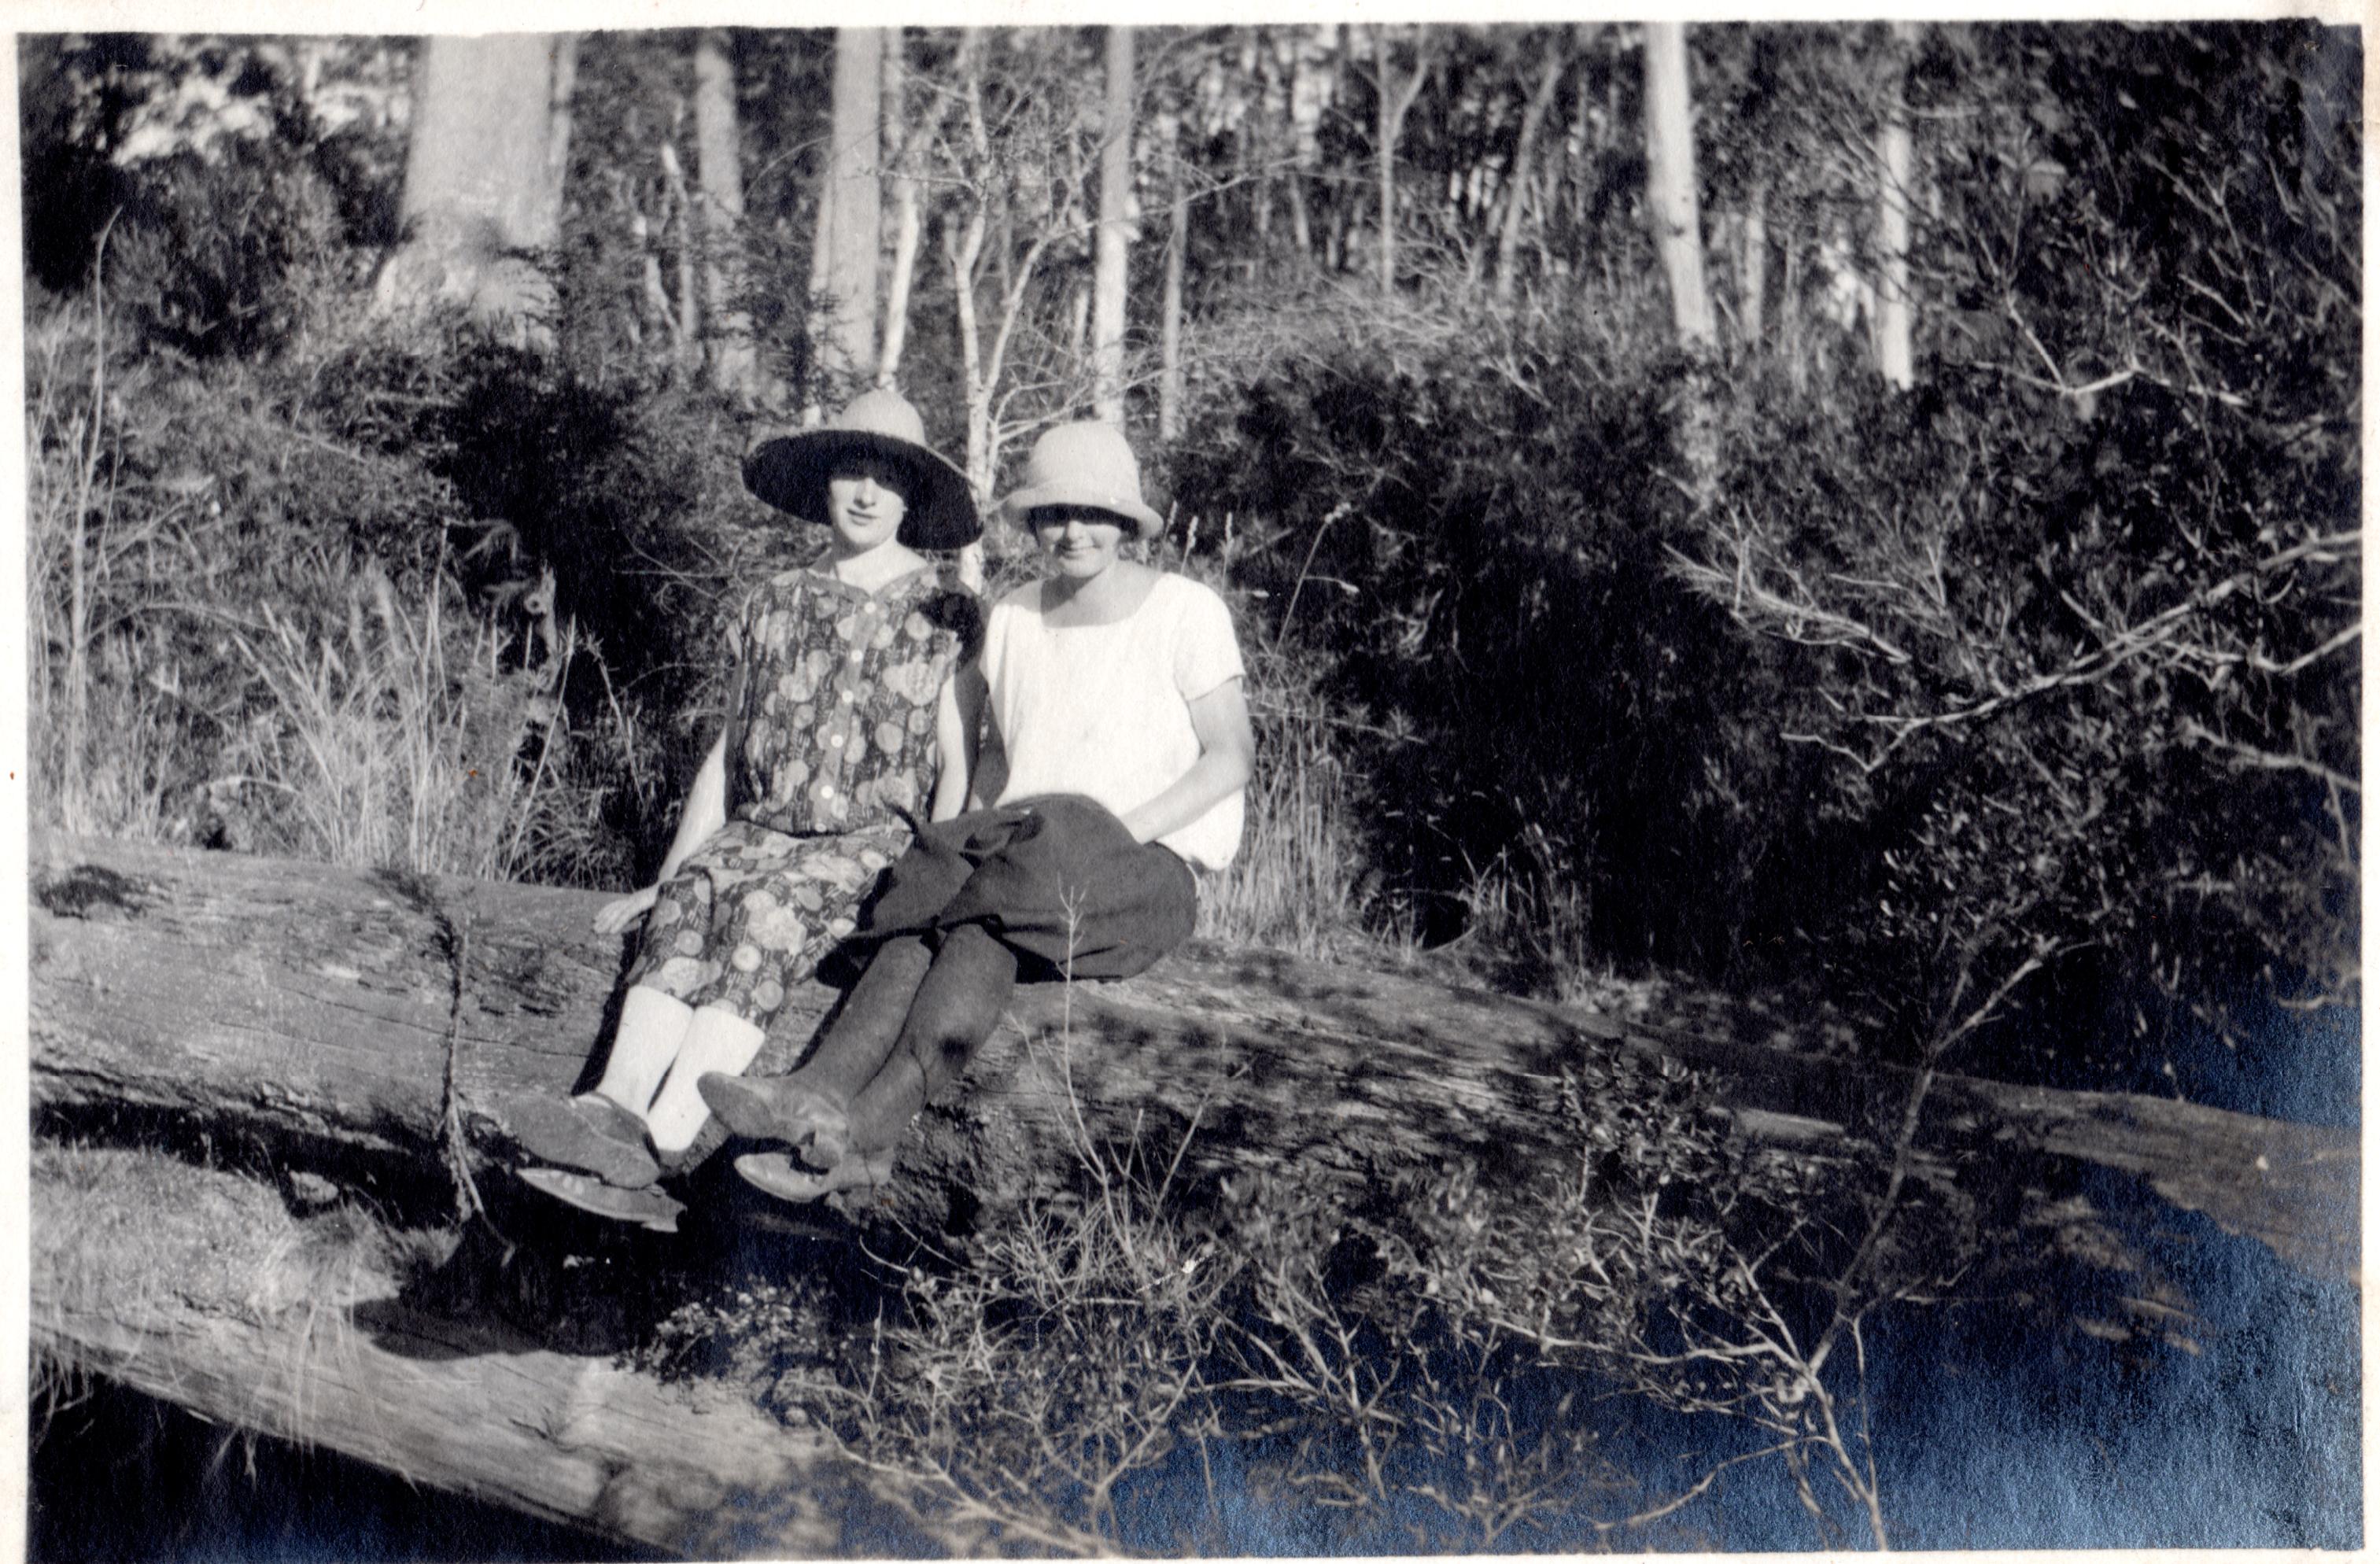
(719, 1040)
(653, 1029)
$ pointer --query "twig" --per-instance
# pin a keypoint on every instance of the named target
(2267, 760)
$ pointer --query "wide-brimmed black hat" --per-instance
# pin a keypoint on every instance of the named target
(791, 471)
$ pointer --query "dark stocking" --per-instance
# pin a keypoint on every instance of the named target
(868, 1027)
(956, 1008)
(812, 1100)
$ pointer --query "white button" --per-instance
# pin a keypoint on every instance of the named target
(848, 697)
(826, 790)
(857, 656)
(836, 741)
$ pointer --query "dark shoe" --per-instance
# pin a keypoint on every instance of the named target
(783, 1108)
(591, 1134)
(774, 1172)
(647, 1208)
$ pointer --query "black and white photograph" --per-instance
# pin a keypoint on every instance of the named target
(1058, 784)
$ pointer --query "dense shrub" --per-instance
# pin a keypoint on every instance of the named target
(2034, 683)
(1480, 556)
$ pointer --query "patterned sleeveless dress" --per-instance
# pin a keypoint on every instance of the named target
(832, 730)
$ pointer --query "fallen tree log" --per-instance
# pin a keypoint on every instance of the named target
(339, 1015)
(199, 1286)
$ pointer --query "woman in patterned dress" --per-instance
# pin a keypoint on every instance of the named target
(843, 723)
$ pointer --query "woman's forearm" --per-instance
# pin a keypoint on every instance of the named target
(706, 808)
(958, 719)
(1227, 753)
(1211, 778)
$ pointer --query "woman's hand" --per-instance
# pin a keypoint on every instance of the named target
(616, 916)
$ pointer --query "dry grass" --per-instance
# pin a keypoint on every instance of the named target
(221, 657)
(128, 1245)
(391, 740)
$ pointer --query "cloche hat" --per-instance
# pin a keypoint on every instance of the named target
(1084, 464)
(791, 471)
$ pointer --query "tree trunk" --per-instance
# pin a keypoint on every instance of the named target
(1169, 339)
(1672, 197)
(735, 365)
(1305, 111)
(851, 202)
(908, 203)
(1533, 115)
(687, 330)
(1755, 269)
(1396, 100)
(483, 172)
(1114, 233)
(1894, 307)
(340, 1017)
(1673, 204)
(200, 1288)
(989, 232)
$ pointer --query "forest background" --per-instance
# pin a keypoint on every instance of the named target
(1863, 516)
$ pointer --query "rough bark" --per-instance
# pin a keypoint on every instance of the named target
(1115, 232)
(312, 1008)
(483, 175)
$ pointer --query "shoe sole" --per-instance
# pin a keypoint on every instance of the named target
(647, 1208)
(554, 1130)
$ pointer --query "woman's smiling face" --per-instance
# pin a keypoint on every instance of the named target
(1081, 542)
(865, 503)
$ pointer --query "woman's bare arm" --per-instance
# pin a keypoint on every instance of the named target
(1227, 750)
(958, 722)
(705, 812)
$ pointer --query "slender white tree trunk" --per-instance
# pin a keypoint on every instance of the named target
(1755, 269)
(1396, 100)
(1110, 265)
(1307, 88)
(908, 201)
(685, 329)
(1674, 205)
(1533, 115)
(1169, 341)
(1895, 358)
(1672, 198)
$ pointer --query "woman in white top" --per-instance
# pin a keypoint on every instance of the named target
(1116, 691)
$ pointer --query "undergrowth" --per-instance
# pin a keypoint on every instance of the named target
(1439, 1359)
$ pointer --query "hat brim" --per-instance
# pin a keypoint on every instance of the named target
(791, 472)
(1023, 503)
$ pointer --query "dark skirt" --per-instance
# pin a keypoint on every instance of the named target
(1056, 879)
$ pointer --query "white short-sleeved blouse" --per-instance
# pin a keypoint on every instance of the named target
(1104, 710)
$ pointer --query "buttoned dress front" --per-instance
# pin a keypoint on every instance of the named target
(832, 739)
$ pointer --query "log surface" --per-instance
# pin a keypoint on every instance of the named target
(196, 1287)
(321, 1009)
